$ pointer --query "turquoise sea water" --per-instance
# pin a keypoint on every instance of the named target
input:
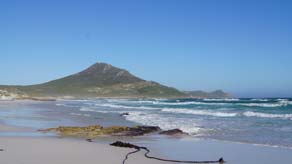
(257, 121)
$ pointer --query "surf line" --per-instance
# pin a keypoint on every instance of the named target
(139, 148)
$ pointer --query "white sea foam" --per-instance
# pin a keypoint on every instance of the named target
(267, 115)
(280, 103)
(127, 107)
(79, 114)
(6, 98)
(188, 103)
(84, 109)
(285, 102)
(160, 99)
(264, 100)
(65, 105)
(271, 105)
(133, 102)
(227, 99)
(171, 110)
(70, 105)
(175, 110)
(156, 102)
(80, 100)
(60, 104)
(282, 100)
(200, 112)
(154, 119)
(165, 123)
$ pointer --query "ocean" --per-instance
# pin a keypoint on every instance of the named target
(256, 121)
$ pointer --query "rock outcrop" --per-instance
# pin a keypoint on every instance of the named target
(173, 132)
(94, 131)
(97, 130)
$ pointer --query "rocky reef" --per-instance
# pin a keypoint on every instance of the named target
(97, 130)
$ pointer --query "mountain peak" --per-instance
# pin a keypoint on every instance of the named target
(100, 74)
(98, 80)
(99, 67)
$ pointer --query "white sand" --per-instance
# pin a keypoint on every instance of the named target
(6, 128)
(41, 150)
(50, 150)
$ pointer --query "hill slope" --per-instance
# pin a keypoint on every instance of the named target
(99, 80)
(202, 94)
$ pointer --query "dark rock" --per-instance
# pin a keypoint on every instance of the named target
(221, 160)
(173, 132)
(139, 131)
(89, 140)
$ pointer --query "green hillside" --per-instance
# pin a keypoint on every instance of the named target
(99, 80)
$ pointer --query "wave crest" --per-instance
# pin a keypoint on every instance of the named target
(267, 115)
(165, 123)
(200, 112)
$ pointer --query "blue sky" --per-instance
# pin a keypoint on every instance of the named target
(243, 47)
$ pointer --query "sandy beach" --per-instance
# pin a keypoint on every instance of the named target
(36, 150)
(48, 150)
(23, 144)
(18, 148)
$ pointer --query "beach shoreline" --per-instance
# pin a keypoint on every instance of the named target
(24, 144)
(62, 150)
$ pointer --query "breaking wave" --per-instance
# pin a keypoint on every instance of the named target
(267, 115)
(80, 114)
(264, 100)
(126, 107)
(164, 123)
(281, 103)
(200, 112)
(214, 118)
(227, 99)
(188, 103)
(84, 109)
(268, 105)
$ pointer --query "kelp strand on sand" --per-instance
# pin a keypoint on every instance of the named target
(139, 148)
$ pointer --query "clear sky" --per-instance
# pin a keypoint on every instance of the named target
(243, 46)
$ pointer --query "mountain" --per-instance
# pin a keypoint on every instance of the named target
(202, 94)
(99, 80)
